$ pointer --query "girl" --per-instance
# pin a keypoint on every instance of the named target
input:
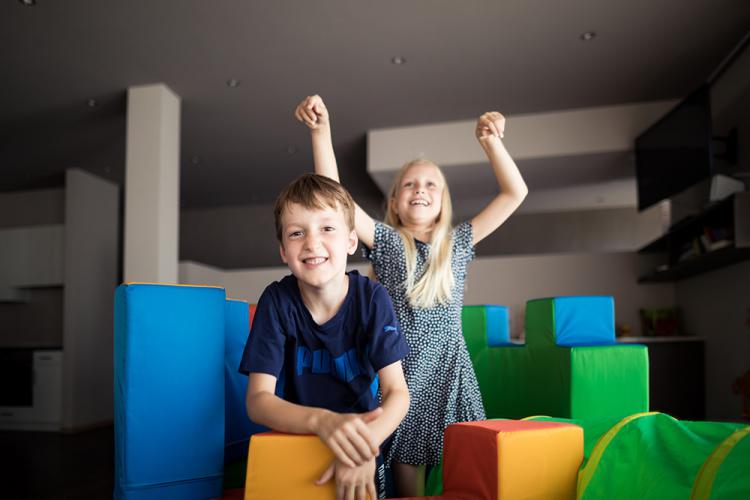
(421, 260)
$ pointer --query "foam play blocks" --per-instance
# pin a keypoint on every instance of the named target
(570, 366)
(489, 460)
(509, 459)
(238, 428)
(169, 391)
(287, 466)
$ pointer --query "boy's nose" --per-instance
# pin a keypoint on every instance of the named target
(312, 241)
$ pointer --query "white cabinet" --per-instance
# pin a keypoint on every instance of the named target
(45, 412)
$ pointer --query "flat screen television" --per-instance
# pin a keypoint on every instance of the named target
(675, 152)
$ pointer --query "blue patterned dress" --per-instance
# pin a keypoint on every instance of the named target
(442, 384)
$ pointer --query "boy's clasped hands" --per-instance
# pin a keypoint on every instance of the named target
(355, 449)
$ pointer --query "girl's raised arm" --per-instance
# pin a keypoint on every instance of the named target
(313, 113)
(490, 130)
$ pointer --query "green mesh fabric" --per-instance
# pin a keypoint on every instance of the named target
(732, 480)
(654, 456)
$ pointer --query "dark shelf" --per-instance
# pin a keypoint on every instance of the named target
(687, 225)
(698, 264)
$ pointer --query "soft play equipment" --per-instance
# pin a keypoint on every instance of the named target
(490, 460)
(652, 455)
(180, 412)
(238, 428)
(569, 367)
(169, 392)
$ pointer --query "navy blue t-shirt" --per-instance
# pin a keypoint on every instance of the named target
(333, 365)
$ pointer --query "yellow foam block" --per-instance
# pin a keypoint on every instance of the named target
(539, 462)
(287, 466)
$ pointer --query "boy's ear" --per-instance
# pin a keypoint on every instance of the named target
(282, 252)
(353, 242)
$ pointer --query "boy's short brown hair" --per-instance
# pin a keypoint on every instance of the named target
(314, 191)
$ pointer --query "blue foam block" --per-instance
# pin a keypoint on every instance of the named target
(498, 326)
(584, 321)
(239, 427)
(169, 392)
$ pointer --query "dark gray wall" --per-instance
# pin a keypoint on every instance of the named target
(32, 208)
(35, 323)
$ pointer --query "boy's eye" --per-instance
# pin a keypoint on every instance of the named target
(295, 234)
(408, 184)
(329, 228)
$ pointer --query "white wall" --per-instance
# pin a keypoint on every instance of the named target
(512, 281)
(243, 284)
(509, 281)
(91, 250)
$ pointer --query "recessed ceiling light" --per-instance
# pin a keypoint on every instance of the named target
(588, 36)
(398, 60)
(28, 3)
(91, 103)
(233, 82)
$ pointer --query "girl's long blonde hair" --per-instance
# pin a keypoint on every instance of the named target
(435, 285)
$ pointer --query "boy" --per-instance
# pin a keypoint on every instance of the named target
(330, 337)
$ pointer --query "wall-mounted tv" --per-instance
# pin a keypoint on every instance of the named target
(675, 152)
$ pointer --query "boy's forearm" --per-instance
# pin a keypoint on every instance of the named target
(395, 405)
(282, 416)
(324, 157)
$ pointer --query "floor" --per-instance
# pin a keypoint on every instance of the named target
(52, 466)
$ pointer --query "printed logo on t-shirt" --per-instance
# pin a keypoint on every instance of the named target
(344, 367)
(389, 328)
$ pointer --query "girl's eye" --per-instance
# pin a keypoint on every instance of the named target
(408, 184)
(329, 229)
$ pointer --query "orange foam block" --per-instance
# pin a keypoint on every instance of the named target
(510, 459)
(287, 466)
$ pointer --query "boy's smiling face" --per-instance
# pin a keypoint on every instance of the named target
(315, 244)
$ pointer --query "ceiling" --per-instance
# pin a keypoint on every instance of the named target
(240, 144)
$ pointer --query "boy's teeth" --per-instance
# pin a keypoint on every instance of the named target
(316, 260)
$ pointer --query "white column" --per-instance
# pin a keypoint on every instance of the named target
(152, 185)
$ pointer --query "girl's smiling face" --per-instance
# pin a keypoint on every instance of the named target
(419, 195)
